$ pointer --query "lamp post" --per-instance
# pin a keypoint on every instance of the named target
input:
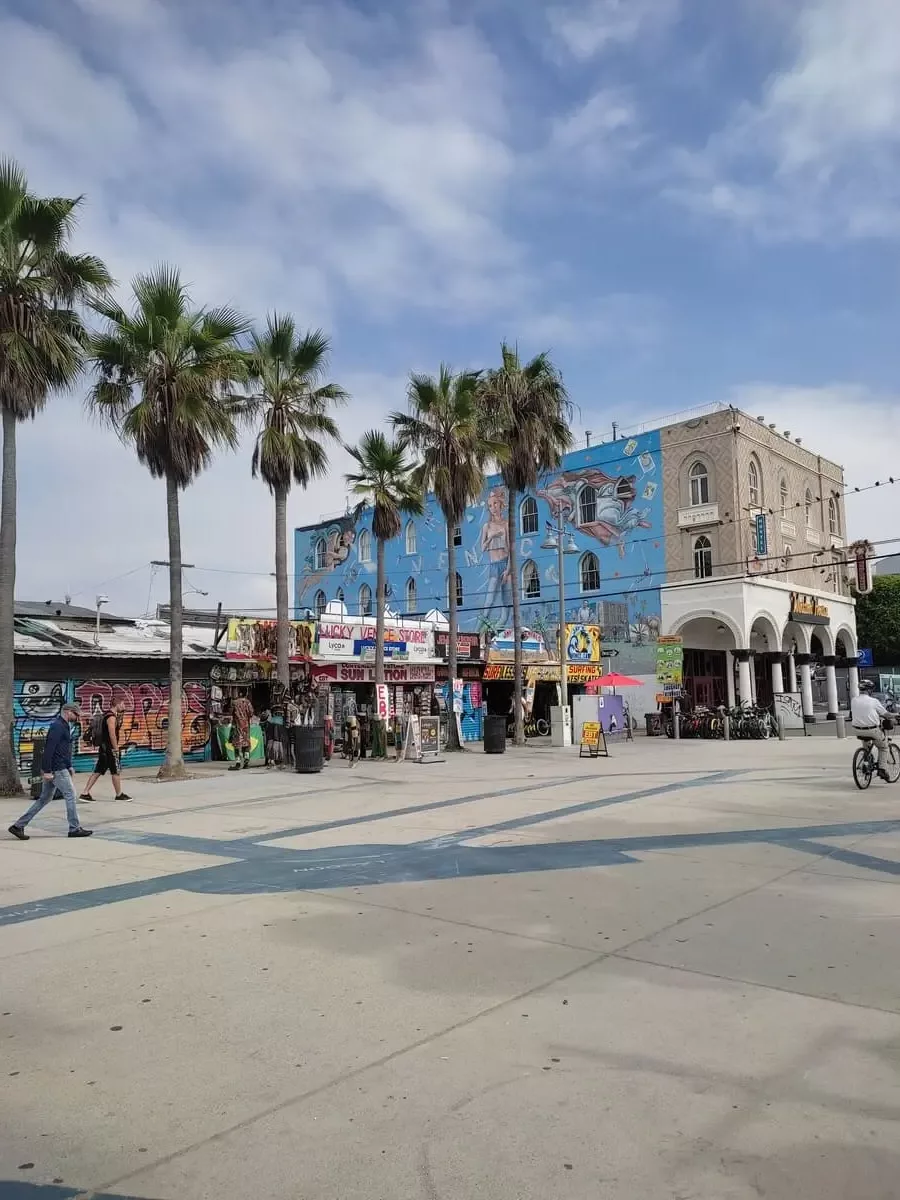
(100, 601)
(556, 539)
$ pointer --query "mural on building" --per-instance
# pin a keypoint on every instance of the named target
(144, 727)
(610, 504)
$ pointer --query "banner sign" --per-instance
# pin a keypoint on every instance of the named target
(583, 643)
(670, 664)
(396, 651)
(259, 639)
(364, 673)
(337, 639)
(502, 648)
(762, 535)
(468, 645)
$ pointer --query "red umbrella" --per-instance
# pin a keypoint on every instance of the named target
(613, 680)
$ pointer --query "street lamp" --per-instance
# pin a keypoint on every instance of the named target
(557, 539)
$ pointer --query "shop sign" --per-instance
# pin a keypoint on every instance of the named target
(259, 639)
(669, 664)
(582, 672)
(468, 645)
(382, 702)
(499, 671)
(762, 535)
(468, 671)
(363, 673)
(583, 643)
(502, 648)
(807, 610)
(337, 639)
(862, 552)
(395, 651)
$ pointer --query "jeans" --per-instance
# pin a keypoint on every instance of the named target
(61, 780)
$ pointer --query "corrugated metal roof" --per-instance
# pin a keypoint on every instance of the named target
(141, 639)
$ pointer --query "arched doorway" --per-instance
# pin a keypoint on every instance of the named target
(708, 643)
(766, 658)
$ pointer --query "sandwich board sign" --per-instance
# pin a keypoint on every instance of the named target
(430, 739)
(593, 740)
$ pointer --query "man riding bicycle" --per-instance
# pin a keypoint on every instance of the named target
(867, 714)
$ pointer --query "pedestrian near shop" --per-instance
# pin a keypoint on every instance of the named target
(106, 737)
(56, 771)
(241, 716)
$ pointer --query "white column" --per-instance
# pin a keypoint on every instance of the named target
(853, 672)
(792, 674)
(806, 693)
(753, 680)
(831, 687)
(777, 676)
(729, 677)
(745, 687)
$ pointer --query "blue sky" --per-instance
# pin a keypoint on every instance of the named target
(687, 201)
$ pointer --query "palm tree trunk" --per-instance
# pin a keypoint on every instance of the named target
(283, 662)
(379, 611)
(10, 783)
(518, 681)
(173, 767)
(453, 742)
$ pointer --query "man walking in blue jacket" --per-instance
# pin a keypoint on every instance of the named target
(56, 767)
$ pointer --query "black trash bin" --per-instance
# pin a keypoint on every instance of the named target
(309, 749)
(495, 735)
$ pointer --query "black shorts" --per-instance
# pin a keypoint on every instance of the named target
(107, 760)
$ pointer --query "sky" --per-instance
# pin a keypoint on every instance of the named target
(685, 201)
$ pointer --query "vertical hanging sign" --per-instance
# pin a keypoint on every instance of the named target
(762, 535)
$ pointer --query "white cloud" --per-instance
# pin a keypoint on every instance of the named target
(817, 155)
(850, 424)
(592, 27)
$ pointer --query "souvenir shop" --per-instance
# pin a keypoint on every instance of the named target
(468, 696)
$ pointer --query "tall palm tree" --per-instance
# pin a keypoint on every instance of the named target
(528, 409)
(385, 482)
(166, 374)
(42, 341)
(291, 402)
(446, 429)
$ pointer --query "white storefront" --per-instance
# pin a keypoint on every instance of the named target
(769, 621)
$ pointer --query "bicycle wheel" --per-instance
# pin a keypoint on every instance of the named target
(863, 768)
(542, 726)
(893, 767)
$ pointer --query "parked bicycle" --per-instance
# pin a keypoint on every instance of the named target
(865, 761)
(757, 723)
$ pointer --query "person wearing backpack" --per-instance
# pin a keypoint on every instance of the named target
(105, 727)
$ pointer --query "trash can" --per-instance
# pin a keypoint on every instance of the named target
(654, 724)
(309, 749)
(495, 735)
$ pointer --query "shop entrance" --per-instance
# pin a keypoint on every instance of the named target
(704, 677)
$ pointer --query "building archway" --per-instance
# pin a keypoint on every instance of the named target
(767, 675)
(708, 644)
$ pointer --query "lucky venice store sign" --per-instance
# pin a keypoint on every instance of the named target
(337, 639)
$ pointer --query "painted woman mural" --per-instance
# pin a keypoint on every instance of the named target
(495, 544)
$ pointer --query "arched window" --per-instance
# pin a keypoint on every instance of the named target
(590, 573)
(365, 601)
(364, 549)
(702, 558)
(459, 590)
(699, 477)
(753, 481)
(410, 538)
(320, 603)
(340, 595)
(411, 598)
(808, 505)
(834, 524)
(783, 496)
(321, 554)
(528, 515)
(531, 581)
(587, 505)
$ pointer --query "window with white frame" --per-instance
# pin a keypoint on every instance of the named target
(783, 497)
(364, 547)
(754, 485)
(587, 505)
(365, 601)
(457, 535)
(459, 590)
(320, 603)
(410, 538)
(703, 565)
(808, 505)
(528, 515)
(699, 477)
(834, 524)
(590, 572)
(411, 597)
(321, 554)
(531, 581)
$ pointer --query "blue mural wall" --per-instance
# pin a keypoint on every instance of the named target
(610, 500)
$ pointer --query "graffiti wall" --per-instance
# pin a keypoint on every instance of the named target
(145, 723)
(608, 501)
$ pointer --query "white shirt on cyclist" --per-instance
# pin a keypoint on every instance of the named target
(866, 712)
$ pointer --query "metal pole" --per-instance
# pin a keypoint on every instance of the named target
(563, 679)
(97, 626)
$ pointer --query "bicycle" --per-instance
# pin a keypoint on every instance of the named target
(865, 763)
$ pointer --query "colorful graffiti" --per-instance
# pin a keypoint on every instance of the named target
(145, 723)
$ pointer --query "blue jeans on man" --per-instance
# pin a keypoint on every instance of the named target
(62, 782)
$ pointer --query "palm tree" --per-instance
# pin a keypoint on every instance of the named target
(291, 401)
(42, 342)
(445, 428)
(528, 409)
(166, 374)
(385, 482)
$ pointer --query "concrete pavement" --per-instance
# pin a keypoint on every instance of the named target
(673, 973)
